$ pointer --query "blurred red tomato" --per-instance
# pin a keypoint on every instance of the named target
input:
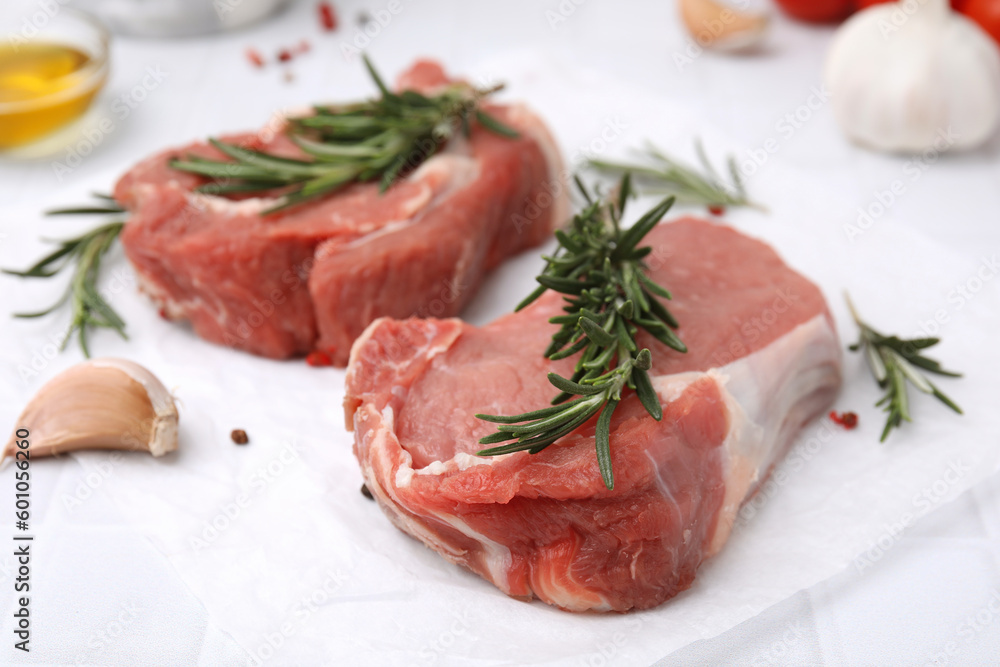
(818, 11)
(864, 4)
(984, 12)
(829, 11)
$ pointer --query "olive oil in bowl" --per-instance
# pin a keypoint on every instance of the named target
(46, 83)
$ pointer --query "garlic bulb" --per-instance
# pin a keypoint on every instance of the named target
(913, 76)
(100, 404)
(719, 26)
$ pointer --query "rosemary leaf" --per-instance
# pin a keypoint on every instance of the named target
(602, 441)
(85, 210)
(570, 387)
(495, 126)
(644, 388)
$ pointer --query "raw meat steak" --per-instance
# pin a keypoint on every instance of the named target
(314, 276)
(763, 360)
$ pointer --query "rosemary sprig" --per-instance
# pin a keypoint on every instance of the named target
(84, 253)
(661, 174)
(378, 139)
(598, 267)
(895, 361)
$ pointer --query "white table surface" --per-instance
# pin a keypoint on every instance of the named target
(918, 605)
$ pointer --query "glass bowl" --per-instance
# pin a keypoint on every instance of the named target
(52, 65)
(179, 18)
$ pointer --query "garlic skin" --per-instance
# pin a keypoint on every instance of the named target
(912, 76)
(722, 27)
(100, 404)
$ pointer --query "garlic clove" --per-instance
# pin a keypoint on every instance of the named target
(722, 27)
(100, 404)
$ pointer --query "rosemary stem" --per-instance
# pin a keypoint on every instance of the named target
(598, 269)
(894, 362)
